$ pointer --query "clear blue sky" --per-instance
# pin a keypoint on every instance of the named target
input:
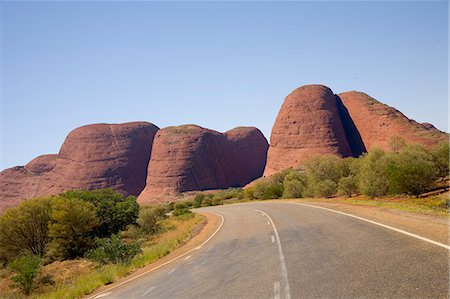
(218, 65)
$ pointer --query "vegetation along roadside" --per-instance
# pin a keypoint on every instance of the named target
(68, 245)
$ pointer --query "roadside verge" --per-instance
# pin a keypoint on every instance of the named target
(200, 237)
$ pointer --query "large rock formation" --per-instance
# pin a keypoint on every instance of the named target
(378, 123)
(314, 121)
(308, 124)
(190, 157)
(92, 157)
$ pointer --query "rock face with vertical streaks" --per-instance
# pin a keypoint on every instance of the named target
(92, 157)
(307, 124)
(190, 157)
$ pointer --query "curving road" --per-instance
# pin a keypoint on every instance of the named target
(281, 250)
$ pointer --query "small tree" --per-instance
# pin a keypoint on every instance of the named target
(372, 173)
(71, 227)
(114, 211)
(25, 228)
(413, 172)
(26, 267)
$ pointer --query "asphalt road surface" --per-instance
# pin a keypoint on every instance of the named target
(281, 250)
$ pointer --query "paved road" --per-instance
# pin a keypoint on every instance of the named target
(280, 250)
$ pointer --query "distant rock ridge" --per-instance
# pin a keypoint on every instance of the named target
(314, 121)
(92, 157)
(138, 158)
(190, 157)
(378, 123)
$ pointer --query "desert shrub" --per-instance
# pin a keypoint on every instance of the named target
(25, 228)
(348, 185)
(114, 211)
(294, 184)
(149, 218)
(441, 158)
(412, 172)
(212, 200)
(71, 226)
(26, 267)
(180, 208)
(325, 188)
(273, 191)
(113, 250)
(323, 174)
(372, 176)
(198, 200)
(228, 193)
(269, 187)
(249, 192)
(326, 167)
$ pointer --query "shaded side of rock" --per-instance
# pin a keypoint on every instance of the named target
(378, 123)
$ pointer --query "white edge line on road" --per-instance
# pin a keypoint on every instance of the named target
(103, 295)
(164, 264)
(376, 223)
(282, 259)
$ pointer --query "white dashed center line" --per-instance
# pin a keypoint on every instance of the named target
(272, 238)
(171, 271)
(148, 291)
(287, 292)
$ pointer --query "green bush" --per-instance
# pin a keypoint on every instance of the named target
(198, 200)
(326, 167)
(348, 185)
(114, 211)
(25, 228)
(249, 193)
(372, 176)
(114, 250)
(325, 188)
(180, 208)
(71, 226)
(273, 191)
(412, 172)
(294, 184)
(149, 218)
(26, 268)
(441, 158)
